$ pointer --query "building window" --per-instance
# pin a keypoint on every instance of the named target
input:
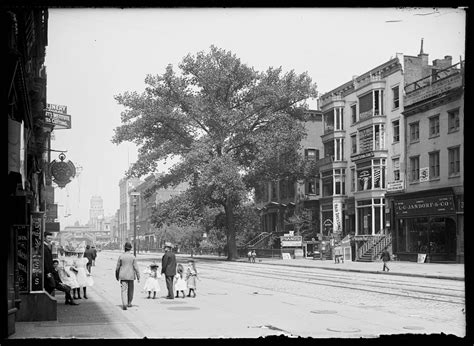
(364, 176)
(434, 165)
(327, 180)
(396, 97)
(396, 169)
(354, 113)
(339, 148)
(453, 120)
(379, 173)
(415, 168)
(414, 131)
(339, 121)
(396, 130)
(339, 182)
(366, 140)
(434, 126)
(329, 149)
(354, 144)
(353, 179)
(310, 187)
(317, 186)
(454, 161)
(328, 119)
(379, 136)
(311, 154)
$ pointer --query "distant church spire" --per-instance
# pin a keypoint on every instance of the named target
(421, 49)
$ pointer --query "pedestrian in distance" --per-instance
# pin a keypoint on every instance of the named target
(179, 282)
(385, 257)
(61, 286)
(126, 271)
(191, 277)
(94, 255)
(254, 256)
(249, 255)
(151, 282)
(168, 269)
(89, 254)
(83, 276)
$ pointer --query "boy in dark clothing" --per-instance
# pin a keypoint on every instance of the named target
(385, 257)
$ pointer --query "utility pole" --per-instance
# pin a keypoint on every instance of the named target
(134, 195)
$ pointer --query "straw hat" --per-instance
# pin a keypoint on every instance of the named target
(168, 244)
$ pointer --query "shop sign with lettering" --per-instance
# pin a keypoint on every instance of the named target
(337, 223)
(36, 251)
(22, 247)
(423, 206)
(288, 241)
(395, 185)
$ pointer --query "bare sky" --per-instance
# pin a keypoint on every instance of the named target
(94, 54)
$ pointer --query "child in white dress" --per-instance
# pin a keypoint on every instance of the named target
(151, 283)
(191, 277)
(179, 282)
(83, 277)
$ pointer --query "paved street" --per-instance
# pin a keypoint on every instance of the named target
(246, 300)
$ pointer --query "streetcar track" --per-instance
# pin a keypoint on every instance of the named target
(397, 292)
(383, 282)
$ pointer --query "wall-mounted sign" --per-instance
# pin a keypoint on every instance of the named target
(337, 217)
(365, 155)
(424, 174)
(36, 251)
(57, 115)
(424, 206)
(22, 253)
(61, 171)
(291, 241)
(395, 185)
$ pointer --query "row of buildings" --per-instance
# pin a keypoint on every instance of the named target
(387, 147)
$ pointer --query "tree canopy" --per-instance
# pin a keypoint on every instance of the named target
(230, 126)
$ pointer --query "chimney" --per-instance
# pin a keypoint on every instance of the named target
(449, 59)
(423, 56)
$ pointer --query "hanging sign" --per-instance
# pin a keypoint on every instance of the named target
(62, 171)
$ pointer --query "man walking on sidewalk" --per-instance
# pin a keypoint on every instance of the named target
(385, 257)
(126, 271)
(168, 267)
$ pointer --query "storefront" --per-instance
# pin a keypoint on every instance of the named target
(425, 223)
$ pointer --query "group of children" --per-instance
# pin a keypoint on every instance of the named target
(73, 273)
(183, 280)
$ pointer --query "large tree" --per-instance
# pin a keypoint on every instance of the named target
(228, 124)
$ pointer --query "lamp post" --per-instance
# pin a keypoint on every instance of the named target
(134, 195)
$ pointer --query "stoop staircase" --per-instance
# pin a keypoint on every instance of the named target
(373, 247)
(258, 240)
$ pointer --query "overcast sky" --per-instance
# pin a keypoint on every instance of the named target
(94, 54)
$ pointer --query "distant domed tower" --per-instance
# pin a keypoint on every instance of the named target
(96, 211)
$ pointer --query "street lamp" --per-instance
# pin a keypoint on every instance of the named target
(135, 196)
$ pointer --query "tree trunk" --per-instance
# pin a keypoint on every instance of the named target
(231, 244)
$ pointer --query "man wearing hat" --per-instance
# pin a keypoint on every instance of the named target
(168, 267)
(126, 271)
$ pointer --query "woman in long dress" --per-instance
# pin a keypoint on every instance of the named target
(83, 276)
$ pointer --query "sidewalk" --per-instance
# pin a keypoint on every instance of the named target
(449, 271)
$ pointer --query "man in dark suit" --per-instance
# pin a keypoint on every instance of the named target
(49, 283)
(89, 254)
(168, 267)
